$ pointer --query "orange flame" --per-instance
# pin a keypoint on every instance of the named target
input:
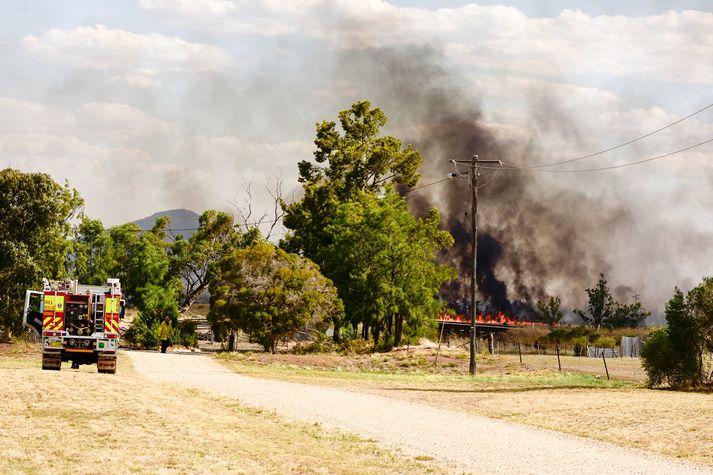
(499, 319)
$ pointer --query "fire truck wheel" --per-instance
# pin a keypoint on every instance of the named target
(51, 363)
(106, 365)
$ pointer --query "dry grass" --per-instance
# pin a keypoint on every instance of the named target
(628, 369)
(85, 422)
(449, 366)
(578, 400)
(670, 423)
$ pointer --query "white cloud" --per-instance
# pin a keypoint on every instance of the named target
(137, 81)
(93, 120)
(255, 18)
(135, 58)
(21, 116)
(568, 120)
(120, 120)
(671, 46)
(195, 6)
(249, 162)
(108, 152)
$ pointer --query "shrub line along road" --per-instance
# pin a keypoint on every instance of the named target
(470, 443)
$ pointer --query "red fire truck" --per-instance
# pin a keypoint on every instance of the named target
(77, 323)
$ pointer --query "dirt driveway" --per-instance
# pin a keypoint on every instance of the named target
(470, 443)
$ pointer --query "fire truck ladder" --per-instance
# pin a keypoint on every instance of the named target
(98, 312)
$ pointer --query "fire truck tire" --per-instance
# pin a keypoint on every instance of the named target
(106, 365)
(51, 363)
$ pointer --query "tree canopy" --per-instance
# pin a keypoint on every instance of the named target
(358, 158)
(604, 311)
(550, 310)
(384, 263)
(601, 303)
(35, 216)
(360, 232)
(626, 316)
(674, 355)
(270, 294)
(195, 259)
(349, 162)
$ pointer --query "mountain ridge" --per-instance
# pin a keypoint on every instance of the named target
(183, 221)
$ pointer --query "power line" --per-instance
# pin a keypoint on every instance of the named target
(427, 185)
(495, 175)
(622, 165)
(601, 152)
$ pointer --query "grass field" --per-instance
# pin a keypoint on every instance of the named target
(579, 400)
(79, 421)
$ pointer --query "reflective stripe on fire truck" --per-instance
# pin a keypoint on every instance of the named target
(53, 315)
(112, 308)
(111, 325)
(112, 305)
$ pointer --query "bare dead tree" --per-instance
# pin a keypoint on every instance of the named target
(245, 206)
(246, 209)
(278, 212)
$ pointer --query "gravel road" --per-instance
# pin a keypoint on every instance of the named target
(469, 443)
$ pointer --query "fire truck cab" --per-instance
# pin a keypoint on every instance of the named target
(77, 323)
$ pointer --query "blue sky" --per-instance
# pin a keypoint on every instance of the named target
(156, 104)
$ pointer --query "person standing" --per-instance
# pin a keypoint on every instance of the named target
(164, 333)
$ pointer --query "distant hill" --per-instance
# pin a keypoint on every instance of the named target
(183, 221)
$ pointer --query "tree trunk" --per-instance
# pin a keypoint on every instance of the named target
(375, 334)
(231, 341)
(191, 297)
(389, 326)
(364, 331)
(398, 331)
(337, 328)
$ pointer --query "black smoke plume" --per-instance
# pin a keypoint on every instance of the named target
(536, 237)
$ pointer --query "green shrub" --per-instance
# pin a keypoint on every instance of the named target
(603, 341)
(320, 344)
(142, 333)
(386, 344)
(356, 346)
(660, 360)
(184, 334)
(559, 335)
(580, 345)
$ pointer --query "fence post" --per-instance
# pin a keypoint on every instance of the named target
(559, 364)
(440, 337)
(519, 352)
(605, 364)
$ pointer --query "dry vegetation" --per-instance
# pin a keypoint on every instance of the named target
(84, 422)
(579, 400)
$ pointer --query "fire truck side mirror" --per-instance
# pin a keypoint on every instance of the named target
(122, 308)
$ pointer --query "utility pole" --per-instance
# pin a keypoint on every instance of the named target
(474, 165)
